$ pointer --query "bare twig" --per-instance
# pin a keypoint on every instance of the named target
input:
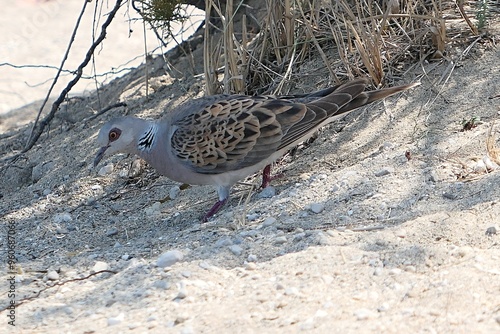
(36, 132)
(72, 39)
(104, 74)
(104, 110)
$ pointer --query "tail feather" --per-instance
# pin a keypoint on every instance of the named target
(379, 94)
(358, 96)
(341, 100)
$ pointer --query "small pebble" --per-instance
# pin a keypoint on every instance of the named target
(332, 233)
(433, 176)
(268, 221)
(62, 218)
(154, 209)
(401, 233)
(280, 240)
(384, 171)
(317, 207)
(161, 284)
(490, 165)
(335, 188)
(267, 192)
(395, 271)
(236, 249)
(492, 230)
(111, 232)
(388, 146)
(449, 195)
(169, 258)
(135, 168)
(40, 170)
(125, 257)
(299, 236)
(378, 271)
(252, 258)
(182, 294)
(116, 320)
(322, 239)
(52, 275)
(307, 325)
(174, 192)
(363, 314)
(223, 242)
(384, 307)
(250, 266)
(205, 265)
(105, 170)
(99, 266)
(480, 167)
(411, 269)
(62, 230)
(181, 318)
(252, 216)
(293, 291)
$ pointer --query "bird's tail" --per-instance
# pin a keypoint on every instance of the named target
(352, 95)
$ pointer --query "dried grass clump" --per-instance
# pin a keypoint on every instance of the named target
(352, 38)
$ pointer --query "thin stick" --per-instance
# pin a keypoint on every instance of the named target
(73, 35)
(146, 69)
(55, 106)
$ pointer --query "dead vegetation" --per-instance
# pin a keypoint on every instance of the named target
(353, 38)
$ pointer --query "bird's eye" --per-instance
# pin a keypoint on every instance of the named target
(114, 134)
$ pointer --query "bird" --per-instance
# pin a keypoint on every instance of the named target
(219, 140)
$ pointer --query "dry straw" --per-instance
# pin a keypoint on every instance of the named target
(352, 38)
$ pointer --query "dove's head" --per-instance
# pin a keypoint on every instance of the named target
(120, 135)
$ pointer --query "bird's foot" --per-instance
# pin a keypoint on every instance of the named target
(267, 178)
(215, 208)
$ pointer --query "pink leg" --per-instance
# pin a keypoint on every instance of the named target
(267, 178)
(217, 206)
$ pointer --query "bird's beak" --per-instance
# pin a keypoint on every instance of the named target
(100, 155)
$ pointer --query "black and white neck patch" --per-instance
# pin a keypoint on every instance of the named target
(148, 139)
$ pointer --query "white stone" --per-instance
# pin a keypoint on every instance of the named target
(105, 170)
(169, 258)
(100, 266)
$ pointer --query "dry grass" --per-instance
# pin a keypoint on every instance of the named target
(353, 38)
(493, 151)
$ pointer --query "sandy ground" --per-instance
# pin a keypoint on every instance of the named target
(357, 239)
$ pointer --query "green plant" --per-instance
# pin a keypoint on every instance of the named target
(160, 14)
(482, 13)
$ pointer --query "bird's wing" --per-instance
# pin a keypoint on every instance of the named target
(234, 132)
(322, 108)
(228, 133)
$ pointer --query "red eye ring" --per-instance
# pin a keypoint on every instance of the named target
(114, 134)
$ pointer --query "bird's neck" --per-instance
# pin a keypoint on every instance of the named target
(148, 138)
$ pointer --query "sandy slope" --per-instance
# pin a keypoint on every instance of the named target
(405, 252)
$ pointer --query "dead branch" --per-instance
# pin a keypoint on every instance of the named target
(38, 128)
